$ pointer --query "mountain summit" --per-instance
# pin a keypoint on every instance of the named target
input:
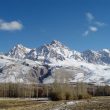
(19, 51)
(53, 52)
(56, 51)
(38, 64)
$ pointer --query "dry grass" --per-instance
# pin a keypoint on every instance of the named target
(96, 103)
(21, 104)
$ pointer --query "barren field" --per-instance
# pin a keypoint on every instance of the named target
(96, 103)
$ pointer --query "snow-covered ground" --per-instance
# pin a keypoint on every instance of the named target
(13, 70)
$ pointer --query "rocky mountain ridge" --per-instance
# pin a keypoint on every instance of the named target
(54, 62)
(56, 51)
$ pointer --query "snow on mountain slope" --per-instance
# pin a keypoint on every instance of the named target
(15, 70)
(105, 55)
(67, 71)
(97, 57)
(19, 51)
(56, 51)
(92, 56)
(69, 65)
(53, 52)
(80, 71)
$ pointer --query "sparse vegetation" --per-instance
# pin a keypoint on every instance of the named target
(68, 92)
(59, 93)
(55, 92)
(20, 90)
(95, 103)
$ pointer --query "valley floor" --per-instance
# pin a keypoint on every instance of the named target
(96, 103)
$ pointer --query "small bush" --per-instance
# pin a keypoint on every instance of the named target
(68, 96)
(57, 96)
(80, 96)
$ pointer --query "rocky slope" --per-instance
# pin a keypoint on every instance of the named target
(55, 62)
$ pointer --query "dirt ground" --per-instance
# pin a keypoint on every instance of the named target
(95, 103)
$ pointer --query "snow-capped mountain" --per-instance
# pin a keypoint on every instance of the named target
(97, 57)
(20, 70)
(55, 61)
(19, 51)
(53, 52)
(56, 51)
(105, 56)
(92, 56)
(49, 52)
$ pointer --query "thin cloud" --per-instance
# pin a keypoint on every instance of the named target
(86, 33)
(100, 24)
(93, 25)
(10, 26)
(89, 16)
(93, 28)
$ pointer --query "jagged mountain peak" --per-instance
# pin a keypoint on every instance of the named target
(57, 51)
(54, 51)
(18, 51)
(106, 50)
(89, 65)
(56, 43)
(97, 57)
(90, 53)
(19, 45)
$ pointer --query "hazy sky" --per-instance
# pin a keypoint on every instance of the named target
(79, 24)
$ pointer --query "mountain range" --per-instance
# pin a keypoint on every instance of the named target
(54, 62)
(58, 52)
